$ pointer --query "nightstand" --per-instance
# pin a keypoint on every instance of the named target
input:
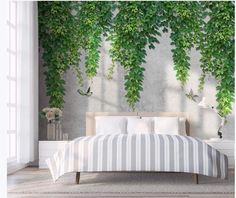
(224, 146)
(47, 149)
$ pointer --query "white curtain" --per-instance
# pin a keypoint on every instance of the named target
(27, 66)
(4, 57)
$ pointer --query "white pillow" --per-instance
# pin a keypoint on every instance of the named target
(166, 125)
(182, 126)
(139, 125)
(110, 125)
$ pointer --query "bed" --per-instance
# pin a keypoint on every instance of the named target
(118, 151)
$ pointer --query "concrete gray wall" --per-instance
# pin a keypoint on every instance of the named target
(162, 92)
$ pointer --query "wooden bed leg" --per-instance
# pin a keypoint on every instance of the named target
(195, 177)
(77, 177)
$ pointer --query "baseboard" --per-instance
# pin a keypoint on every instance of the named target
(35, 163)
(13, 167)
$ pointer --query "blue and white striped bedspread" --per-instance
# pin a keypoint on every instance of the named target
(141, 152)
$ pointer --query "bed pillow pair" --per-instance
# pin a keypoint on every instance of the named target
(160, 125)
(122, 125)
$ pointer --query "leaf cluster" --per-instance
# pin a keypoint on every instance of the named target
(94, 19)
(217, 50)
(185, 21)
(135, 26)
(58, 40)
(65, 29)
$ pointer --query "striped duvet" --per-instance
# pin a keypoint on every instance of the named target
(141, 152)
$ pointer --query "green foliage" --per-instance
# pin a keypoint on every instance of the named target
(94, 19)
(185, 21)
(201, 82)
(217, 51)
(135, 26)
(58, 39)
(69, 28)
(111, 71)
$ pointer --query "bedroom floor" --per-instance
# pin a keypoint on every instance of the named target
(34, 182)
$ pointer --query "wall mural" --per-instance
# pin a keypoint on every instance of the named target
(66, 29)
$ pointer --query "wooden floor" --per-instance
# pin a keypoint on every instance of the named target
(123, 196)
(32, 178)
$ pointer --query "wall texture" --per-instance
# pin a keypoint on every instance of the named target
(162, 92)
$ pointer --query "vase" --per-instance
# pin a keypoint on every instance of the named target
(51, 134)
(54, 131)
(58, 131)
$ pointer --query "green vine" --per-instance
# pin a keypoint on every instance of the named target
(94, 19)
(135, 26)
(201, 82)
(218, 52)
(111, 71)
(58, 39)
(66, 29)
(185, 21)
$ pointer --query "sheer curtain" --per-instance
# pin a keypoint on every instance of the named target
(27, 64)
(4, 8)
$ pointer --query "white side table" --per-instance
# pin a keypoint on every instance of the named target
(47, 149)
(224, 146)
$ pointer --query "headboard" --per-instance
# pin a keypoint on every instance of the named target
(90, 118)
